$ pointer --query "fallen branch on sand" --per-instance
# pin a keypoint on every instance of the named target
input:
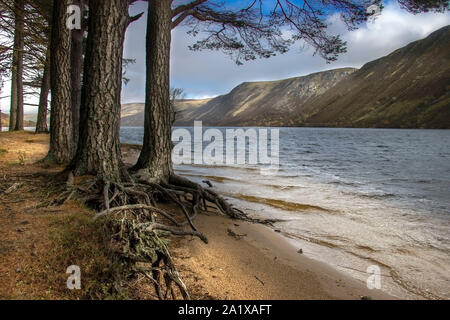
(231, 233)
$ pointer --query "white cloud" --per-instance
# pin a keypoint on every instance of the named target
(394, 29)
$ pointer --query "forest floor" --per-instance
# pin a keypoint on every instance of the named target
(37, 243)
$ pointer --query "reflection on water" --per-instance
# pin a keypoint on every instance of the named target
(353, 198)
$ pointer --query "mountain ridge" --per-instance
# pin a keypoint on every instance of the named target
(27, 122)
(264, 102)
(408, 88)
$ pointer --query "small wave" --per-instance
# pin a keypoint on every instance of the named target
(306, 152)
(377, 196)
(224, 166)
(309, 239)
(373, 196)
(403, 180)
(280, 204)
(365, 248)
(221, 179)
(423, 181)
(345, 183)
(280, 187)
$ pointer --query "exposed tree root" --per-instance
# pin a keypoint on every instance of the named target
(201, 195)
(140, 229)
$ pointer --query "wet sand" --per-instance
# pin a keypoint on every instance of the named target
(255, 262)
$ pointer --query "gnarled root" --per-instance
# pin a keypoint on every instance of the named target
(200, 195)
(140, 229)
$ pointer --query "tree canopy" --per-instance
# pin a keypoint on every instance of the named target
(247, 30)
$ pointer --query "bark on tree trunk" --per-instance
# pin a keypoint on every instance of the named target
(76, 63)
(98, 150)
(61, 146)
(16, 112)
(1, 85)
(20, 40)
(41, 125)
(155, 159)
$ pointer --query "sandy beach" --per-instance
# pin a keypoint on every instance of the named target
(251, 261)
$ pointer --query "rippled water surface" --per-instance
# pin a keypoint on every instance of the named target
(354, 198)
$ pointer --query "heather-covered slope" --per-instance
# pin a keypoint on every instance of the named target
(409, 88)
(266, 103)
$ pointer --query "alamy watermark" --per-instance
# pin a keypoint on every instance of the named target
(374, 280)
(73, 21)
(237, 146)
(374, 11)
(74, 280)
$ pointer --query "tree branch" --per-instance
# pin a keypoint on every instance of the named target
(181, 18)
(135, 18)
(186, 7)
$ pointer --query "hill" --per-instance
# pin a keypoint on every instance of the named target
(133, 113)
(409, 88)
(266, 103)
(29, 120)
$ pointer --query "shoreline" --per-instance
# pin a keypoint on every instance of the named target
(319, 279)
(301, 277)
(255, 262)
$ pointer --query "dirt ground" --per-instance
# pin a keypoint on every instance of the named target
(38, 243)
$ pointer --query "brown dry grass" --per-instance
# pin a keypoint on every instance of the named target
(37, 244)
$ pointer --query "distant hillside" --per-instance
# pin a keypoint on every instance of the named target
(267, 103)
(29, 120)
(409, 88)
(133, 113)
(4, 121)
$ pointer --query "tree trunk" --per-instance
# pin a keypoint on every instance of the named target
(16, 112)
(155, 159)
(20, 39)
(1, 85)
(61, 146)
(98, 150)
(41, 125)
(76, 63)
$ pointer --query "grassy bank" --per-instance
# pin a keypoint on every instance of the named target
(38, 243)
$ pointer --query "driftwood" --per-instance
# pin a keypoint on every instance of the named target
(13, 188)
(231, 233)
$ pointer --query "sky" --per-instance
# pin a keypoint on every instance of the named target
(211, 73)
